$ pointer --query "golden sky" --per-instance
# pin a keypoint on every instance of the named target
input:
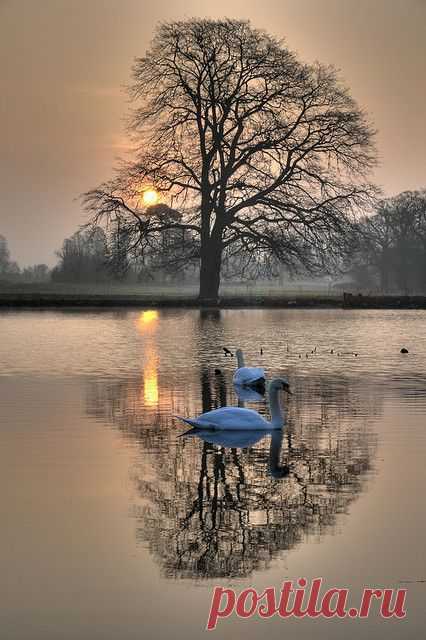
(64, 63)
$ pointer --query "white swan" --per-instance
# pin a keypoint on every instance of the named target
(247, 376)
(236, 418)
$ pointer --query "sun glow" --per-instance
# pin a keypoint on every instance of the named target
(147, 318)
(150, 197)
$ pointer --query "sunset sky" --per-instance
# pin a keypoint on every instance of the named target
(62, 104)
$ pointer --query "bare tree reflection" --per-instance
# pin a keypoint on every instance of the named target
(209, 509)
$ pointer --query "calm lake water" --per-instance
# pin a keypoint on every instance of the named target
(115, 527)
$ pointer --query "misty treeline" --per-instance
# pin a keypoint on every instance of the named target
(95, 255)
(10, 271)
(389, 249)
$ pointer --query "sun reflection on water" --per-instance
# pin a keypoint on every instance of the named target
(147, 319)
(147, 323)
(150, 381)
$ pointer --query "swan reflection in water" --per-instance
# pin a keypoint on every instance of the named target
(245, 439)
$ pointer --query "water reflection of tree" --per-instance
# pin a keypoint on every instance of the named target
(210, 511)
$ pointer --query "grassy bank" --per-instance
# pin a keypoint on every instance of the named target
(236, 296)
(115, 295)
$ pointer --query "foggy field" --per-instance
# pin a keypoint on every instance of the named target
(165, 291)
(297, 295)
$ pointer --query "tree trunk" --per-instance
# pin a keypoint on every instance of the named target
(211, 259)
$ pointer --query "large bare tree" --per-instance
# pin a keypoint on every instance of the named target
(253, 151)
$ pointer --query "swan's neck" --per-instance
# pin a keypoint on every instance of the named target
(277, 418)
(240, 359)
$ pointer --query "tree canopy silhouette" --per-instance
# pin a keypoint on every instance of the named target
(253, 152)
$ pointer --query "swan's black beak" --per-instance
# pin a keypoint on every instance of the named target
(287, 390)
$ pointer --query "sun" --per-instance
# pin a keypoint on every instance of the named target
(150, 197)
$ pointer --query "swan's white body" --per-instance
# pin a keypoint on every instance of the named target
(229, 418)
(246, 376)
(236, 418)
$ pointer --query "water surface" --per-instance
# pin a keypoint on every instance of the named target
(115, 526)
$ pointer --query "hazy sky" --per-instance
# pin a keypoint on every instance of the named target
(62, 107)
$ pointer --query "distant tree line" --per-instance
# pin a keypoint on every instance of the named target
(10, 271)
(82, 258)
(389, 249)
(93, 255)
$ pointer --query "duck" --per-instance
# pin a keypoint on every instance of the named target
(238, 418)
(247, 376)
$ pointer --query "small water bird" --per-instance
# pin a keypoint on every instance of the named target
(236, 418)
(248, 376)
(404, 350)
(228, 352)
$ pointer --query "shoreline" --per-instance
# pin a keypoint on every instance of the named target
(114, 301)
(35, 300)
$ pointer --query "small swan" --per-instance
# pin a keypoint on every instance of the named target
(247, 376)
(236, 418)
